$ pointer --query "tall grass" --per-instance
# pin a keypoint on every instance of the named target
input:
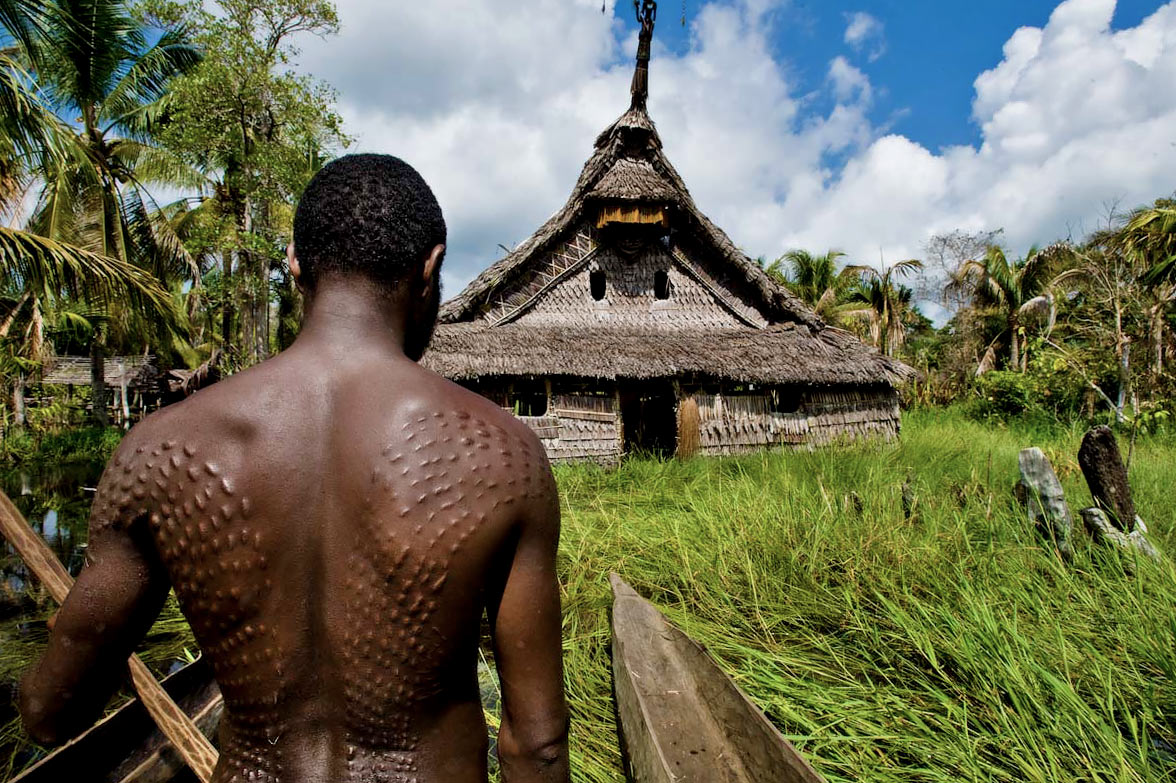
(948, 646)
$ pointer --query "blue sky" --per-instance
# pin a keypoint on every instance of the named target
(862, 125)
(923, 66)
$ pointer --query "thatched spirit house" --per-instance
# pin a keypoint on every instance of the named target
(630, 322)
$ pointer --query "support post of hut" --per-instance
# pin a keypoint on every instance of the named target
(122, 397)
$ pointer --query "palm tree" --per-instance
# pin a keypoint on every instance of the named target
(1150, 233)
(1014, 289)
(93, 233)
(881, 303)
(104, 73)
(812, 278)
(1149, 237)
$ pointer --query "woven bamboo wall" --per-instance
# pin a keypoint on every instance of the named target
(588, 427)
(737, 423)
(579, 427)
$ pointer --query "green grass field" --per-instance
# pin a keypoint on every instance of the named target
(950, 646)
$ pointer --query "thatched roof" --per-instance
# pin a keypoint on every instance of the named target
(634, 180)
(629, 165)
(780, 354)
(784, 340)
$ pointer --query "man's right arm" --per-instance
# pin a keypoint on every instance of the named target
(533, 736)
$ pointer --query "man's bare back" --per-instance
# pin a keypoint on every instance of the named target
(334, 522)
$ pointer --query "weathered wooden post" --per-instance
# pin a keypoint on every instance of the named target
(1112, 520)
(1102, 465)
(1043, 497)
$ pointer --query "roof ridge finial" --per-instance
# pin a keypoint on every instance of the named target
(646, 16)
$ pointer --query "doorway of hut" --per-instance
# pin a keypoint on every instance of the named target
(649, 419)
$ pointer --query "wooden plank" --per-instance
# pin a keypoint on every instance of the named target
(126, 746)
(567, 413)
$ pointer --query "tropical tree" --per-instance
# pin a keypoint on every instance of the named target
(1149, 237)
(1014, 289)
(881, 303)
(104, 72)
(40, 271)
(815, 279)
(257, 130)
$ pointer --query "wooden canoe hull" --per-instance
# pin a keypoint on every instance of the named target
(126, 746)
(682, 720)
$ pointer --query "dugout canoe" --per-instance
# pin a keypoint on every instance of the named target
(680, 717)
(126, 746)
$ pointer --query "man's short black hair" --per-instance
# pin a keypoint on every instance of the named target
(370, 215)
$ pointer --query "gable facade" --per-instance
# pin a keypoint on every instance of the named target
(583, 282)
(630, 321)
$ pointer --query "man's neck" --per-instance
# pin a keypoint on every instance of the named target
(353, 312)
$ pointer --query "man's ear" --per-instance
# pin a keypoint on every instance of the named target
(429, 273)
(295, 267)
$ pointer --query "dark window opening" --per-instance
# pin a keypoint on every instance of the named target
(529, 400)
(786, 400)
(661, 284)
(596, 283)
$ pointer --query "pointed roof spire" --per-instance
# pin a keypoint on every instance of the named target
(646, 16)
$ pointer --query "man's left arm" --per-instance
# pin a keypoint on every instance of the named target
(112, 605)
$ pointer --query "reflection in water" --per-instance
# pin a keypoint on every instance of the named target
(56, 503)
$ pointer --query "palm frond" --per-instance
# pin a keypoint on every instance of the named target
(149, 164)
(1160, 273)
(862, 271)
(133, 103)
(23, 21)
(156, 244)
(47, 267)
(92, 41)
(904, 268)
(29, 129)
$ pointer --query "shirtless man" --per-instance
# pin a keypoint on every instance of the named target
(334, 522)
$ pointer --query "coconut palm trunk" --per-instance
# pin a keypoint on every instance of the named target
(1157, 330)
(18, 401)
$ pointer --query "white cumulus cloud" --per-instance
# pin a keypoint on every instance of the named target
(498, 104)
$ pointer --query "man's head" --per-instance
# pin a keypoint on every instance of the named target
(373, 217)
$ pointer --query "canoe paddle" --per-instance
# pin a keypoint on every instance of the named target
(193, 747)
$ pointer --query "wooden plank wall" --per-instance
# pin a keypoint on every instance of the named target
(586, 427)
(851, 414)
(579, 427)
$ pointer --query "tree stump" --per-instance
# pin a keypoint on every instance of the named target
(1102, 465)
(1041, 493)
